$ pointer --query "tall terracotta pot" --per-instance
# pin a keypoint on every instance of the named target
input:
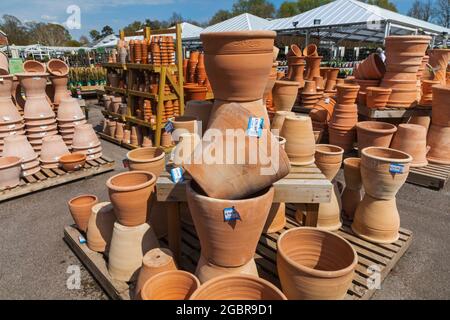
(285, 94)
(201, 110)
(412, 139)
(351, 197)
(100, 227)
(374, 134)
(315, 264)
(372, 68)
(313, 67)
(170, 285)
(300, 142)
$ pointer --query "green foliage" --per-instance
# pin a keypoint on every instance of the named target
(260, 8)
(386, 4)
(288, 9)
(220, 16)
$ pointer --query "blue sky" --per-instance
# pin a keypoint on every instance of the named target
(118, 13)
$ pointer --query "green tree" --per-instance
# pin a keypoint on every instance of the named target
(73, 43)
(133, 27)
(95, 35)
(48, 34)
(442, 13)
(421, 10)
(220, 16)
(386, 4)
(15, 30)
(260, 8)
(288, 9)
(106, 31)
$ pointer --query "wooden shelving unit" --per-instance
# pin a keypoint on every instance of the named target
(166, 76)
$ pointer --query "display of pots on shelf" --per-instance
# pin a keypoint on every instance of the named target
(315, 265)
(285, 94)
(81, 209)
(374, 134)
(351, 197)
(10, 172)
(170, 285)
(238, 287)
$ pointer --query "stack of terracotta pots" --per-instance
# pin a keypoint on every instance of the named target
(296, 65)
(439, 59)
(310, 96)
(167, 46)
(342, 127)
(313, 61)
(18, 146)
(59, 76)
(364, 85)
(155, 50)
(11, 122)
(53, 148)
(69, 116)
(439, 132)
(39, 117)
(331, 75)
(383, 172)
(85, 141)
(192, 66)
(404, 56)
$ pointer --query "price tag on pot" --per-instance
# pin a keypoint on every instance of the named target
(169, 127)
(255, 127)
(396, 168)
(82, 240)
(231, 214)
(327, 100)
(177, 175)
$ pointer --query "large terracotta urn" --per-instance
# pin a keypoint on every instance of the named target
(229, 230)
(351, 197)
(412, 139)
(147, 159)
(315, 264)
(238, 287)
(285, 94)
(170, 285)
(81, 209)
(238, 63)
(128, 247)
(100, 227)
(130, 194)
(439, 59)
(300, 141)
(374, 134)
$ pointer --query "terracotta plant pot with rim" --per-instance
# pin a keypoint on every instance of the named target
(440, 108)
(310, 51)
(53, 148)
(81, 209)
(412, 139)
(372, 68)
(278, 119)
(34, 66)
(196, 93)
(238, 287)
(328, 159)
(10, 171)
(300, 142)
(285, 94)
(170, 285)
(377, 97)
(427, 92)
(242, 235)
(310, 262)
(130, 194)
(424, 121)
(374, 134)
(127, 249)
(72, 161)
(147, 159)
(100, 227)
(85, 137)
(18, 146)
(69, 110)
(376, 166)
(347, 93)
(185, 124)
(351, 197)
(439, 142)
(154, 262)
(248, 54)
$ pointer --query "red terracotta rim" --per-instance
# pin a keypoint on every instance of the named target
(158, 154)
(315, 272)
(151, 179)
(396, 155)
(91, 196)
(395, 38)
(158, 276)
(287, 83)
(379, 89)
(32, 74)
(329, 149)
(296, 50)
(72, 157)
(353, 162)
(376, 126)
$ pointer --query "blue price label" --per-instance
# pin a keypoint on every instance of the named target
(396, 168)
(82, 240)
(255, 127)
(169, 127)
(177, 175)
(231, 214)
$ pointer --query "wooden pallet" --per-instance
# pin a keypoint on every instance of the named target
(393, 113)
(48, 178)
(434, 176)
(385, 257)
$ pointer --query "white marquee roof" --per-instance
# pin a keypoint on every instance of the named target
(242, 22)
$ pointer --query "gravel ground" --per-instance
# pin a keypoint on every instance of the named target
(34, 259)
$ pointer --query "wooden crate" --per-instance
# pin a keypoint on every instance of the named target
(385, 257)
(47, 178)
(434, 176)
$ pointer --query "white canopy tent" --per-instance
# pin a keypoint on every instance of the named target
(242, 22)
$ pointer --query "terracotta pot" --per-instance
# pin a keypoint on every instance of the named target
(310, 87)
(69, 110)
(278, 119)
(402, 98)
(53, 148)
(439, 59)
(119, 131)
(185, 124)
(10, 171)
(376, 166)
(128, 247)
(300, 142)
(310, 51)
(424, 121)
(312, 67)
(323, 110)
(427, 92)
(344, 116)
(9, 115)
(412, 139)
(166, 140)
(4, 64)
(347, 94)
(377, 220)
(377, 97)
(351, 197)
(197, 93)
(81, 209)
(37, 108)
(228, 54)
(441, 111)
(328, 159)
(72, 162)
(206, 271)
(126, 136)
(6, 86)
(295, 51)
(130, 194)
(34, 66)
(60, 89)
(170, 285)
(343, 138)
(34, 84)
(18, 146)
(147, 159)
(439, 142)
(85, 137)
(155, 261)
(100, 227)
(310, 262)
(238, 287)
(200, 110)
(57, 67)
(374, 134)
(285, 94)
(407, 44)
(372, 68)
(297, 69)
(242, 235)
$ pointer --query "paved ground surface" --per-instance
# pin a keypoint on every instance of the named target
(34, 258)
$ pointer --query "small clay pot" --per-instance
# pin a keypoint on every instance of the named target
(285, 94)
(328, 159)
(374, 134)
(310, 262)
(377, 97)
(347, 94)
(100, 227)
(130, 194)
(310, 51)
(72, 161)
(81, 209)
(412, 139)
(196, 93)
(300, 142)
(154, 262)
(351, 197)
(238, 287)
(185, 124)
(147, 159)
(170, 285)
(10, 171)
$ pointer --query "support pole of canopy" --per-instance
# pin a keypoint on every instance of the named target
(307, 38)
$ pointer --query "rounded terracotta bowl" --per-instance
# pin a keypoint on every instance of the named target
(72, 161)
